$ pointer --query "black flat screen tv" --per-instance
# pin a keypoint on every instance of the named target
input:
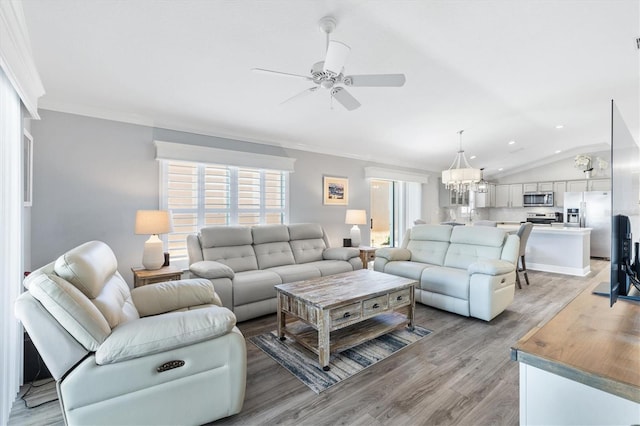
(625, 184)
(624, 272)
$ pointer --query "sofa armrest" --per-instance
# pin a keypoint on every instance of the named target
(491, 267)
(211, 269)
(394, 253)
(155, 334)
(170, 296)
(340, 253)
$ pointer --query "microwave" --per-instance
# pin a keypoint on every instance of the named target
(537, 199)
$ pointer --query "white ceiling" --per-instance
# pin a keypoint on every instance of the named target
(502, 70)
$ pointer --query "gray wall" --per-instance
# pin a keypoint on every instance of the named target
(91, 175)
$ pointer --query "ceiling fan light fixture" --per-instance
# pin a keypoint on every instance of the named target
(460, 176)
(337, 54)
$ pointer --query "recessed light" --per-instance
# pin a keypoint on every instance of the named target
(472, 157)
(501, 169)
(558, 151)
(512, 142)
(559, 126)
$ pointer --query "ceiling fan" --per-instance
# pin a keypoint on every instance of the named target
(328, 74)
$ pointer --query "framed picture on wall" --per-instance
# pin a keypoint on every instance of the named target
(27, 167)
(336, 191)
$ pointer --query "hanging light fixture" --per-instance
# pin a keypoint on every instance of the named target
(482, 186)
(461, 176)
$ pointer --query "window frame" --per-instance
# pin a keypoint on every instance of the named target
(233, 210)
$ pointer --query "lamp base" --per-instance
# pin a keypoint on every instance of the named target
(153, 254)
(355, 236)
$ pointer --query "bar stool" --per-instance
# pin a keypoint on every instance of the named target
(523, 233)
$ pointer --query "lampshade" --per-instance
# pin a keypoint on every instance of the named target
(356, 217)
(153, 222)
(460, 176)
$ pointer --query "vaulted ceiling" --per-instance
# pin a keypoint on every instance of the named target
(502, 70)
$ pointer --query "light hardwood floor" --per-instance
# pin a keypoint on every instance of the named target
(460, 375)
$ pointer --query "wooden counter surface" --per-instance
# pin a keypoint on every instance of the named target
(590, 343)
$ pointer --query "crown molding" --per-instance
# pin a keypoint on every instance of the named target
(16, 59)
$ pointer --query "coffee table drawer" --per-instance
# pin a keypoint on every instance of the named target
(399, 298)
(345, 313)
(375, 305)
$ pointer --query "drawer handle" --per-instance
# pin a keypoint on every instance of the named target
(375, 306)
(170, 365)
(346, 315)
(399, 298)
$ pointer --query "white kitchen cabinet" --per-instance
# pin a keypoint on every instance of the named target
(443, 195)
(576, 186)
(515, 193)
(545, 186)
(530, 187)
(509, 195)
(600, 185)
(486, 199)
(559, 188)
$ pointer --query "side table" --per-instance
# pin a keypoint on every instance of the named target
(143, 276)
(367, 254)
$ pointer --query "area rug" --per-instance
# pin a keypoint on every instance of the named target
(303, 363)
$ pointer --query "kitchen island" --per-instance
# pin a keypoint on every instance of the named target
(563, 250)
(582, 367)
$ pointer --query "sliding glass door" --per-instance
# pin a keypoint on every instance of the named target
(394, 207)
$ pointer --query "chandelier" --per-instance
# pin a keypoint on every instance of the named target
(461, 176)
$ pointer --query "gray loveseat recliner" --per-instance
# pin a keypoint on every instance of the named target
(165, 353)
(468, 270)
(245, 263)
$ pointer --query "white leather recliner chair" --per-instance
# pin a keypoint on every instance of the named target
(165, 353)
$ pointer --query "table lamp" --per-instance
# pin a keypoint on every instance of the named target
(153, 222)
(355, 218)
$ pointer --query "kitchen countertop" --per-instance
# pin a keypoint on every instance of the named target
(542, 229)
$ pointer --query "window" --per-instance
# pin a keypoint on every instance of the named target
(200, 195)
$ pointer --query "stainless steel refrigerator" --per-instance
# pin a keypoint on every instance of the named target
(594, 209)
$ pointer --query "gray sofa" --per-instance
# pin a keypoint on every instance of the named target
(245, 263)
(468, 270)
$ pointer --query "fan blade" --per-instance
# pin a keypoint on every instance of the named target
(337, 53)
(281, 73)
(301, 94)
(345, 98)
(375, 80)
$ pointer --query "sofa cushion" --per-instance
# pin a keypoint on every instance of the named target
(292, 273)
(253, 286)
(238, 258)
(211, 269)
(452, 282)
(270, 233)
(155, 334)
(330, 267)
(462, 255)
(71, 308)
(269, 255)
(429, 243)
(305, 231)
(340, 253)
(115, 302)
(174, 295)
(440, 233)
(478, 235)
(221, 236)
(406, 268)
(87, 267)
(305, 251)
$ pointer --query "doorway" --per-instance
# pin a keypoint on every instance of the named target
(383, 211)
(394, 207)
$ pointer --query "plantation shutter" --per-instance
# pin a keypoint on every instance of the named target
(200, 195)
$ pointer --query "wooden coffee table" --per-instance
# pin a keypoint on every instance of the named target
(340, 311)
